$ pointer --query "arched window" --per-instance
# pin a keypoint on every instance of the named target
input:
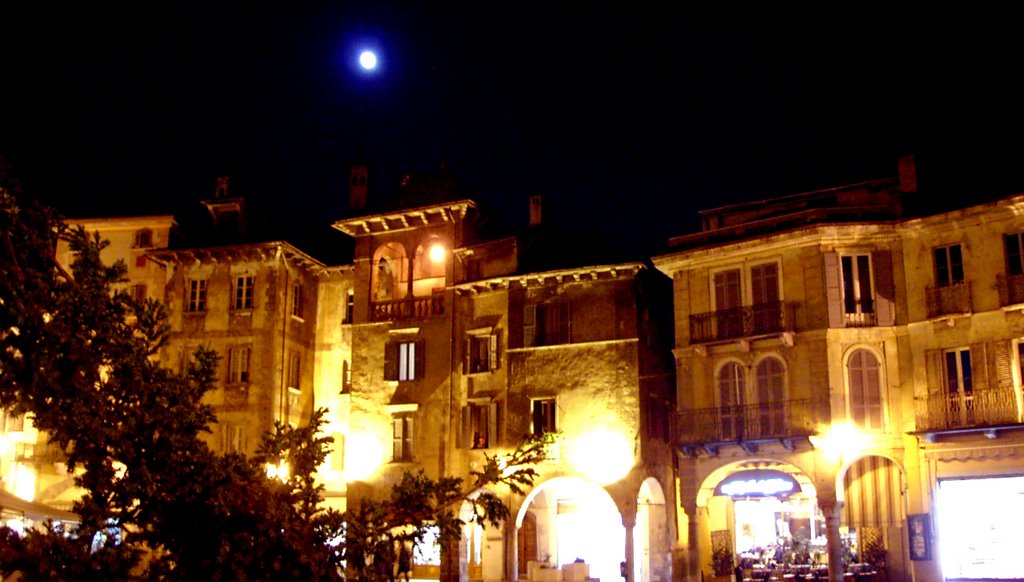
(770, 378)
(732, 387)
(429, 266)
(865, 389)
(389, 273)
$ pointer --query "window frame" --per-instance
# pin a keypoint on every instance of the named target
(946, 274)
(240, 365)
(964, 383)
(297, 308)
(540, 328)
(481, 424)
(745, 274)
(853, 284)
(196, 295)
(402, 437)
(481, 351)
(142, 238)
(405, 360)
(244, 292)
(543, 415)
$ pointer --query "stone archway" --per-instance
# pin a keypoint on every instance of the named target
(873, 495)
(575, 520)
(651, 543)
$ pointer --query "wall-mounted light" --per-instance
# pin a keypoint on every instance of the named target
(437, 253)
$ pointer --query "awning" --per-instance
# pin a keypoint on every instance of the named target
(33, 510)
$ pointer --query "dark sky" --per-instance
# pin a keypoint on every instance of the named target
(626, 118)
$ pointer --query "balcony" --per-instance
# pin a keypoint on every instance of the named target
(747, 424)
(1011, 289)
(739, 322)
(408, 308)
(975, 409)
(952, 299)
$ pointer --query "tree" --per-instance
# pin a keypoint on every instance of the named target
(80, 358)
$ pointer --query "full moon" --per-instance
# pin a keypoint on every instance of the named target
(368, 60)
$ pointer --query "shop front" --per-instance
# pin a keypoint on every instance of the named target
(980, 523)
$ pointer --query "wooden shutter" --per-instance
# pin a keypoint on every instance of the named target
(492, 425)
(833, 291)
(467, 430)
(934, 367)
(492, 352)
(885, 292)
(1004, 364)
(529, 325)
(467, 347)
(979, 366)
(421, 360)
(391, 361)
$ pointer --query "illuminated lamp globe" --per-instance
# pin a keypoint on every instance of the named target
(368, 60)
(437, 253)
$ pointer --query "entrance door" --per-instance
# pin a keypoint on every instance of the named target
(527, 542)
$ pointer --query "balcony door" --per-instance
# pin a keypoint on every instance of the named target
(959, 387)
(770, 412)
(732, 394)
(764, 286)
(728, 302)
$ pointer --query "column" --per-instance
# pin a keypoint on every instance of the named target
(629, 524)
(832, 509)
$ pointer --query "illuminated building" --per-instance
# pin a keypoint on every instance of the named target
(867, 351)
(459, 350)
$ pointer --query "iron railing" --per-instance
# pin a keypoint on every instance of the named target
(738, 322)
(974, 409)
(1011, 289)
(408, 308)
(948, 299)
(748, 422)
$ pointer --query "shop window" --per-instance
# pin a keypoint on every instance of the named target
(238, 365)
(481, 353)
(404, 361)
(949, 266)
(243, 292)
(547, 324)
(401, 450)
(544, 416)
(480, 424)
(865, 390)
(196, 296)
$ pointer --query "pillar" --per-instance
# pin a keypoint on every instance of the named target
(629, 524)
(832, 509)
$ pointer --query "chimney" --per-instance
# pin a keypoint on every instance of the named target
(908, 174)
(359, 176)
(222, 187)
(535, 208)
(228, 213)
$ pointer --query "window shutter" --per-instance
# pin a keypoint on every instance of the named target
(492, 425)
(885, 292)
(391, 361)
(833, 291)
(979, 366)
(492, 352)
(1004, 364)
(529, 324)
(565, 325)
(421, 360)
(467, 430)
(467, 348)
(933, 363)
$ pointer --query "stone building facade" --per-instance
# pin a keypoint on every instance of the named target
(841, 360)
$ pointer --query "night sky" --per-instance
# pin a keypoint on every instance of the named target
(627, 118)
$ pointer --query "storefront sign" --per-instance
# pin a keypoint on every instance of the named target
(758, 483)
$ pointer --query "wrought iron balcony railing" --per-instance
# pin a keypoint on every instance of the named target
(749, 422)
(739, 322)
(407, 308)
(949, 299)
(1011, 289)
(974, 409)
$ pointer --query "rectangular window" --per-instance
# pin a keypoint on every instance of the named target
(297, 300)
(1014, 256)
(481, 353)
(234, 438)
(544, 416)
(959, 379)
(243, 292)
(10, 422)
(401, 450)
(294, 369)
(857, 295)
(404, 360)
(350, 306)
(547, 324)
(238, 365)
(196, 296)
(949, 266)
(143, 239)
(140, 261)
(139, 292)
(480, 424)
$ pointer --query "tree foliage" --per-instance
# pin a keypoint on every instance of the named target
(78, 354)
